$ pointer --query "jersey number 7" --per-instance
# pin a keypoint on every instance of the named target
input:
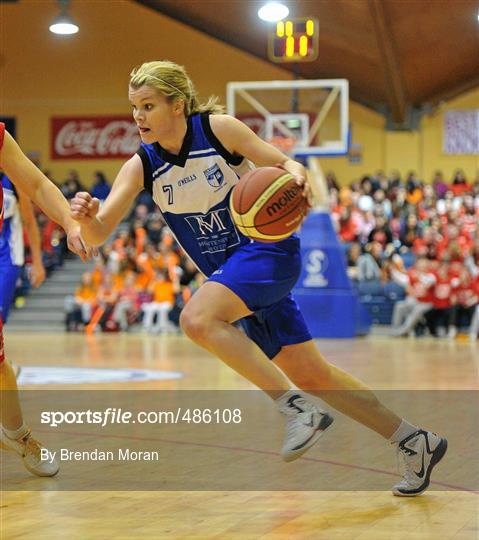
(168, 189)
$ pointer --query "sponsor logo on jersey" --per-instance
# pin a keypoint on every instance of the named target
(214, 231)
(187, 180)
(209, 223)
(215, 176)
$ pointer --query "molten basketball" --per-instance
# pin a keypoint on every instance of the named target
(267, 205)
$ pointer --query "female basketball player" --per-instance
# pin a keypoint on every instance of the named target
(18, 213)
(14, 434)
(190, 159)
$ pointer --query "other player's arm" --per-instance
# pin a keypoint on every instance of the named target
(98, 223)
(38, 274)
(29, 179)
(239, 139)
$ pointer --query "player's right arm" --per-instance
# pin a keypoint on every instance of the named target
(98, 223)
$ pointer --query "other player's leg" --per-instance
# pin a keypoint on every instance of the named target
(14, 434)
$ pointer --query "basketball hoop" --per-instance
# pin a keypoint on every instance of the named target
(285, 144)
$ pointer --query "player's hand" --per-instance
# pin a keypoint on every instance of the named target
(37, 274)
(302, 182)
(307, 193)
(84, 207)
(77, 245)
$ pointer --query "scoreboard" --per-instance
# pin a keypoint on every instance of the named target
(294, 40)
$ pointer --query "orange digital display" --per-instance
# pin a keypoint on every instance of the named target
(294, 40)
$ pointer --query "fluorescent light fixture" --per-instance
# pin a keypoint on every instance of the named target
(273, 12)
(64, 28)
(63, 24)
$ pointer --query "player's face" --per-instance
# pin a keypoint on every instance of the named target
(153, 113)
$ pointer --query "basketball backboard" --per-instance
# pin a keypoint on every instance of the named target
(305, 118)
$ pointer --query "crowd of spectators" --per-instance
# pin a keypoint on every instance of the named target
(53, 238)
(141, 276)
(420, 241)
(416, 241)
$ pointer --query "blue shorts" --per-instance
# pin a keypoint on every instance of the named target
(8, 282)
(262, 275)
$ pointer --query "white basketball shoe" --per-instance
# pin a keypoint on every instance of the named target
(418, 454)
(305, 424)
(30, 451)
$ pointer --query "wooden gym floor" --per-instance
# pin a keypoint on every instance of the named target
(36, 510)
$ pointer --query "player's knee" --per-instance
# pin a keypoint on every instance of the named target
(311, 374)
(194, 325)
(317, 379)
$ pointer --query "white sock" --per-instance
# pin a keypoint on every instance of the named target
(404, 430)
(16, 433)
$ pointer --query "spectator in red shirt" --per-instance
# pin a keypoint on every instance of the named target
(440, 319)
(467, 299)
(474, 329)
(347, 228)
(419, 282)
(459, 183)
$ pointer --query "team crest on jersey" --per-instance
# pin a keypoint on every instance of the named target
(215, 176)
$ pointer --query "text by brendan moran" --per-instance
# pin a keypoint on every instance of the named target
(120, 454)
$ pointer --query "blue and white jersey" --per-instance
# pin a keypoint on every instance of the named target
(11, 235)
(192, 190)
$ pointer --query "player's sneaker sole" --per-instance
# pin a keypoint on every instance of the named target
(437, 455)
(297, 452)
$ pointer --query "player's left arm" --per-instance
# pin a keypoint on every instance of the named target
(29, 179)
(38, 274)
(239, 139)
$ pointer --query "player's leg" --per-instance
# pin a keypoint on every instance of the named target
(419, 450)
(207, 318)
(8, 279)
(14, 434)
(307, 369)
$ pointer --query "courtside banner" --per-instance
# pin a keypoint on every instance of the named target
(93, 137)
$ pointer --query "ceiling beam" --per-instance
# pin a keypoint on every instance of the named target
(446, 94)
(390, 62)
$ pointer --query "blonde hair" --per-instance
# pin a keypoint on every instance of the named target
(172, 81)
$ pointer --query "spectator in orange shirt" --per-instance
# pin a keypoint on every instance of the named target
(163, 291)
(127, 308)
(98, 274)
(79, 308)
(108, 296)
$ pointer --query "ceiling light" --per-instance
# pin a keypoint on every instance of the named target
(273, 12)
(63, 24)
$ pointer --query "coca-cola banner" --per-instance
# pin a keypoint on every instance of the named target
(93, 137)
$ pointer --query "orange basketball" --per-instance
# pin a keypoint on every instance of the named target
(267, 205)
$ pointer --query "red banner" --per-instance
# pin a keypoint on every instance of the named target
(93, 137)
